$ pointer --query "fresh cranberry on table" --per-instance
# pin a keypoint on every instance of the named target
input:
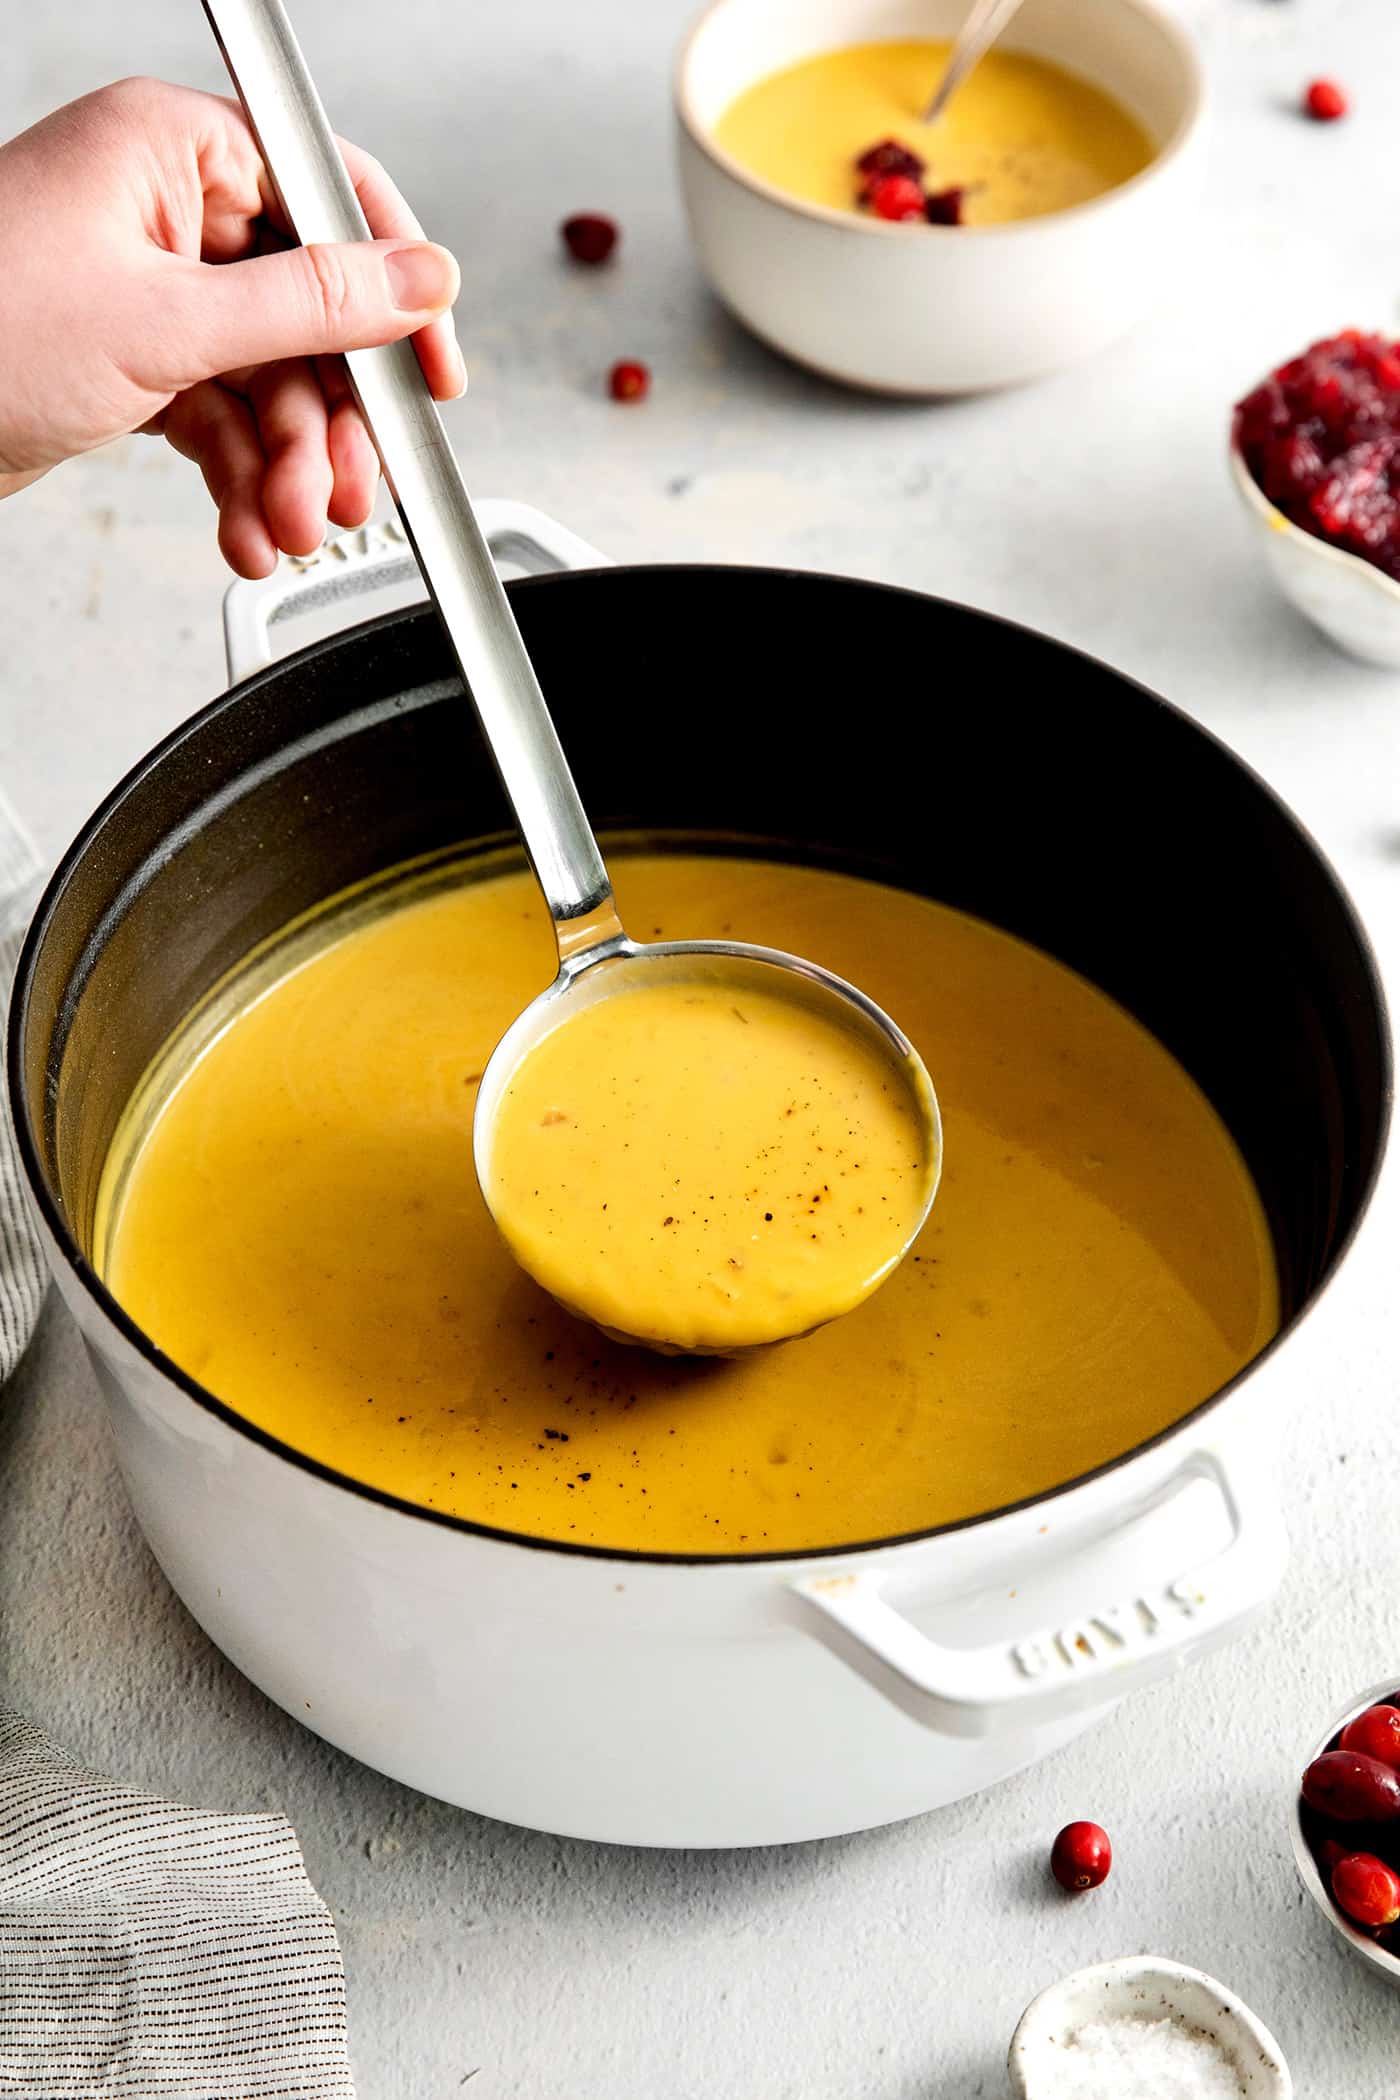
(589, 236)
(1081, 1856)
(628, 380)
(1324, 101)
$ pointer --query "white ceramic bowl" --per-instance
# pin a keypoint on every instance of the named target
(1354, 603)
(939, 309)
(1385, 1964)
(1143, 1986)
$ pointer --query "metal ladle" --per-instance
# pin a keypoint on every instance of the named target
(596, 957)
(985, 23)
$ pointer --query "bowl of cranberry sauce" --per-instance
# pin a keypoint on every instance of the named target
(1315, 454)
(1345, 1825)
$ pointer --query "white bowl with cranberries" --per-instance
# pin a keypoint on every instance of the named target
(933, 308)
(1315, 457)
(1345, 1826)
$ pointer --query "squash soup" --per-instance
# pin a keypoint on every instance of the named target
(706, 1167)
(1021, 137)
(290, 1212)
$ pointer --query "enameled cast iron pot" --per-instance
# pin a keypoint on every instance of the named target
(718, 1701)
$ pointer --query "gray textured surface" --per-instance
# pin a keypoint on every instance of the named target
(890, 1966)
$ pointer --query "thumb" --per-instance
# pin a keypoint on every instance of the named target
(309, 302)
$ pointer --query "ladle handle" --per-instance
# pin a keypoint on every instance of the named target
(268, 70)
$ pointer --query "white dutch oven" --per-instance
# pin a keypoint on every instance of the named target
(940, 309)
(707, 1701)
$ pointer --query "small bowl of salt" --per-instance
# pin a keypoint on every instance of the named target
(1144, 2028)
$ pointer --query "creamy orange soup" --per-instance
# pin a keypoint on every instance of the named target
(290, 1211)
(1021, 137)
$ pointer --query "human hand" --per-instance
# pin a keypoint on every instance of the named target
(149, 285)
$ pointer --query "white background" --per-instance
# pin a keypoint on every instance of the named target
(890, 1966)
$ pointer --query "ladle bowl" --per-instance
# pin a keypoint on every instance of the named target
(613, 966)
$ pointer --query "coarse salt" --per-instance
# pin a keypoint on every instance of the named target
(1135, 2058)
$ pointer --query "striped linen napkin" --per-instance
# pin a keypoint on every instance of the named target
(22, 1276)
(148, 1951)
(156, 1952)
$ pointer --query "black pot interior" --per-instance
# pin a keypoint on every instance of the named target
(891, 733)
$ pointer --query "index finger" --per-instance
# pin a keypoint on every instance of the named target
(391, 219)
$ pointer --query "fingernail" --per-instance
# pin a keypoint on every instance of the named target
(422, 278)
(461, 373)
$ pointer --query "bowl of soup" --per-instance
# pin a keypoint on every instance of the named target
(699, 1600)
(1072, 147)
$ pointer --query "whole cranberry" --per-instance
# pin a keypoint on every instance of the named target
(889, 157)
(1376, 1733)
(1367, 1889)
(1324, 101)
(628, 380)
(1348, 1788)
(945, 207)
(1081, 1857)
(1328, 1852)
(896, 197)
(589, 236)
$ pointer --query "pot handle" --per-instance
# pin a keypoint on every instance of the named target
(1051, 1672)
(375, 557)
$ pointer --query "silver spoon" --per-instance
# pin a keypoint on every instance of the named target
(596, 957)
(984, 24)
